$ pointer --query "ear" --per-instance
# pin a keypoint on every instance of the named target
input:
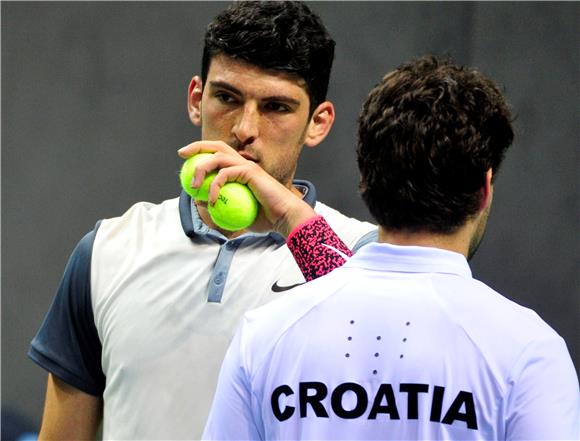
(320, 124)
(487, 191)
(194, 93)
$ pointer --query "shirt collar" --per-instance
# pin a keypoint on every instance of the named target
(409, 259)
(193, 225)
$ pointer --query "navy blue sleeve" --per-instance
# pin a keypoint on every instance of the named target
(67, 344)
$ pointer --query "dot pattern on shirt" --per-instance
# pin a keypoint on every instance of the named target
(378, 339)
(404, 340)
(349, 338)
(377, 354)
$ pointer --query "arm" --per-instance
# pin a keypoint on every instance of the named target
(69, 413)
(67, 345)
(315, 246)
(544, 401)
(281, 208)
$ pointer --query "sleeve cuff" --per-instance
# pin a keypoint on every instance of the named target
(63, 374)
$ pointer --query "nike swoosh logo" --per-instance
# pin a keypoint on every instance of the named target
(278, 288)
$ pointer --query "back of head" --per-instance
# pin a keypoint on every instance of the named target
(427, 135)
(282, 36)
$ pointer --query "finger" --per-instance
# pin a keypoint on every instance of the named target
(192, 149)
(214, 162)
(234, 173)
(205, 146)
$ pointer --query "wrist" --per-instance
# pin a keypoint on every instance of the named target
(295, 217)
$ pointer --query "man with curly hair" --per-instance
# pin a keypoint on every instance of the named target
(401, 342)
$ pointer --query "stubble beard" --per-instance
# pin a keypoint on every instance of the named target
(478, 235)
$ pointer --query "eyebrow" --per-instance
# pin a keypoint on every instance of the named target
(228, 86)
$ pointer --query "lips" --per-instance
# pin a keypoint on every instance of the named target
(248, 156)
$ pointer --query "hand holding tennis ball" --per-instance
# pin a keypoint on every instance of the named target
(236, 207)
(187, 174)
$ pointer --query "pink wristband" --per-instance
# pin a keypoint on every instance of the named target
(314, 245)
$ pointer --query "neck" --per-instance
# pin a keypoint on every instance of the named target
(206, 218)
(464, 240)
(458, 241)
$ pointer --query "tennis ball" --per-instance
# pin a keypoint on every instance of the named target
(187, 173)
(236, 207)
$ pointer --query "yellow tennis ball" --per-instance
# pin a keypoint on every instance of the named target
(236, 207)
(187, 173)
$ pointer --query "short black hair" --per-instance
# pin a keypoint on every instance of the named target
(427, 134)
(282, 36)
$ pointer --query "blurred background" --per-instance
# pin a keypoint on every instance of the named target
(94, 109)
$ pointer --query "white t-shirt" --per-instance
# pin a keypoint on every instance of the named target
(148, 305)
(399, 343)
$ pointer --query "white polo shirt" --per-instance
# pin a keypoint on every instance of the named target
(149, 303)
(399, 343)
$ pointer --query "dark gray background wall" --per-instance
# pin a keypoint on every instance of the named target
(93, 110)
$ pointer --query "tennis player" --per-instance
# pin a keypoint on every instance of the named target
(401, 342)
(150, 300)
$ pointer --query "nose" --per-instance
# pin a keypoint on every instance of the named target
(246, 128)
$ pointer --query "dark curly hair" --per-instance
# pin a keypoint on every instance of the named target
(427, 135)
(278, 35)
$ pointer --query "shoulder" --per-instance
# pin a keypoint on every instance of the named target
(335, 216)
(263, 327)
(144, 232)
(349, 229)
(143, 218)
(524, 323)
(469, 301)
(143, 212)
(502, 330)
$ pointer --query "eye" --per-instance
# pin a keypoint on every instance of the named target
(225, 97)
(278, 107)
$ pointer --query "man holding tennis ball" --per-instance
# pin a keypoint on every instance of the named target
(150, 300)
(238, 193)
